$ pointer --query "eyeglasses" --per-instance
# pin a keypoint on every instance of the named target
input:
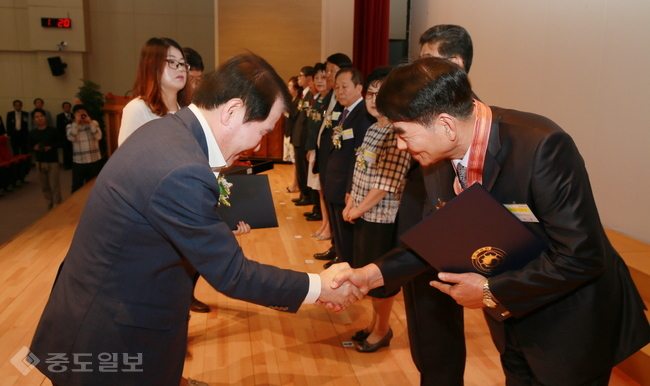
(175, 64)
(370, 95)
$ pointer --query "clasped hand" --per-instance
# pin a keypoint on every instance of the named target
(337, 297)
(361, 280)
(466, 288)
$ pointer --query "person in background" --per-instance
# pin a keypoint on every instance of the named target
(315, 117)
(46, 142)
(160, 85)
(289, 121)
(333, 110)
(62, 121)
(18, 124)
(298, 134)
(39, 103)
(377, 184)
(195, 61)
(84, 133)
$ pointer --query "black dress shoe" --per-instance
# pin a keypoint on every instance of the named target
(360, 335)
(364, 346)
(315, 217)
(330, 254)
(303, 202)
(199, 306)
(331, 262)
(307, 214)
(296, 199)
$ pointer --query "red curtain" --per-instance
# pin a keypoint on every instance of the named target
(371, 24)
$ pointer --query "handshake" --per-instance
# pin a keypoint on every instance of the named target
(341, 285)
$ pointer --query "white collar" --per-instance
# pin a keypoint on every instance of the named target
(304, 92)
(215, 158)
(352, 106)
(464, 161)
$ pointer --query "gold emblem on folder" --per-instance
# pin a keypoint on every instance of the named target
(488, 259)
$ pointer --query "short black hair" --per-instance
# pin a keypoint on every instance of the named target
(453, 40)
(17, 101)
(377, 75)
(420, 91)
(247, 77)
(341, 60)
(39, 99)
(79, 107)
(193, 59)
(319, 67)
(307, 71)
(66, 103)
(355, 74)
(38, 111)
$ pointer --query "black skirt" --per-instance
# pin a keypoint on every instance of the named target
(371, 241)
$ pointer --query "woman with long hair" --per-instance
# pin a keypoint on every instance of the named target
(377, 185)
(160, 85)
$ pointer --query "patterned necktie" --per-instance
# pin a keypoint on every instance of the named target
(343, 116)
(462, 175)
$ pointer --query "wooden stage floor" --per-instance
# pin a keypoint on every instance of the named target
(239, 343)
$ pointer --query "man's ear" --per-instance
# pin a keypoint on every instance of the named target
(448, 124)
(457, 60)
(230, 109)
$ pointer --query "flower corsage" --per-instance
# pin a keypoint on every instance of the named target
(362, 162)
(224, 190)
(337, 135)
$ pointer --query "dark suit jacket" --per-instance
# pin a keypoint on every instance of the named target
(62, 122)
(300, 123)
(576, 311)
(126, 283)
(11, 125)
(340, 162)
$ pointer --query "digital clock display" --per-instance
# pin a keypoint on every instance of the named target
(55, 23)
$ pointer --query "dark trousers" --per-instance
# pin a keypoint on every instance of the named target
(516, 368)
(301, 173)
(342, 233)
(83, 173)
(67, 155)
(20, 145)
(436, 332)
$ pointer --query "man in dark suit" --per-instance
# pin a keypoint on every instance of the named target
(575, 312)
(62, 122)
(298, 134)
(149, 224)
(18, 129)
(435, 321)
(340, 142)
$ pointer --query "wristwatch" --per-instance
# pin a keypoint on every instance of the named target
(488, 300)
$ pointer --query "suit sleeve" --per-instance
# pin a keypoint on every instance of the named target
(563, 202)
(182, 208)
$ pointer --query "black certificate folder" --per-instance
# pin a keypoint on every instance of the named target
(250, 201)
(474, 233)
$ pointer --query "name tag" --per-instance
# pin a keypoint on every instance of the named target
(369, 157)
(305, 104)
(348, 134)
(522, 211)
(336, 115)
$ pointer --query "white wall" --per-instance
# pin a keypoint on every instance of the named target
(582, 63)
(337, 28)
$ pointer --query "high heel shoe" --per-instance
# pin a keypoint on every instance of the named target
(364, 346)
(315, 234)
(321, 238)
(360, 335)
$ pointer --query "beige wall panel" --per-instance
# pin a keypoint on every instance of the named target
(8, 29)
(46, 39)
(337, 30)
(21, 3)
(6, 4)
(195, 7)
(55, 89)
(581, 63)
(12, 86)
(22, 29)
(155, 7)
(111, 6)
(55, 3)
(113, 62)
(149, 26)
(198, 32)
(287, 33)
